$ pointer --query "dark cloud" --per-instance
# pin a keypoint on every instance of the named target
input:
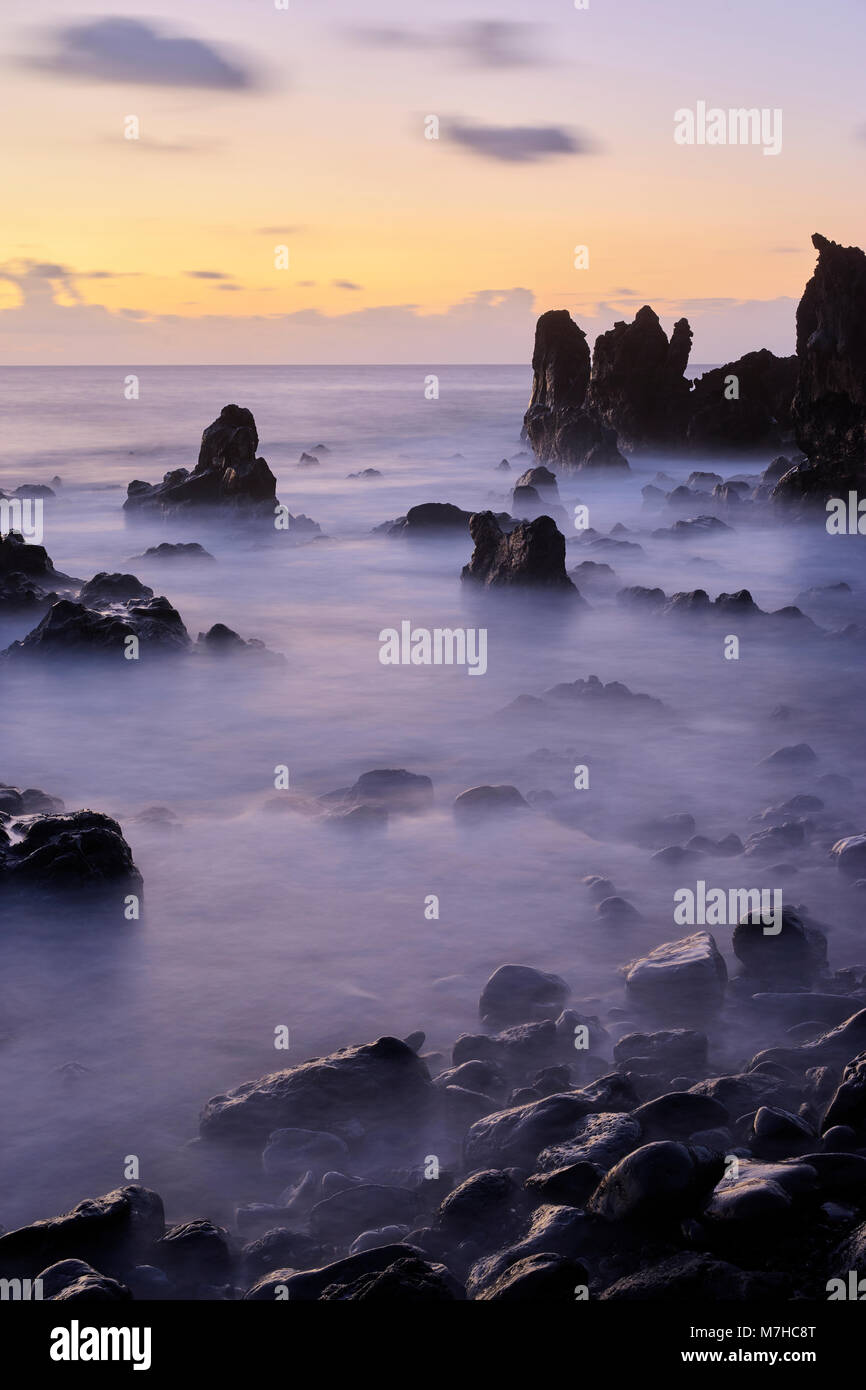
(115, 49)
(517, 144)
(346, 285)
(490, 43)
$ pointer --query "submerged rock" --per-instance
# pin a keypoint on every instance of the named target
(28, 578)
(71, 851)
(481, 803)
(71, 629)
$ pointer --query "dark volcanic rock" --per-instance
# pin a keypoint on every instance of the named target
(700, 1278)
(182, 550)
(531, 556)
(638, 387)
(685, 976)
(107, 1232)
(70, 629)
(794, 954)
(658, 1182)
(760, 416)
(556, 424)
(78, 850)
(378, 1084)
(829, 406)
(28, 579)
(311, 1284)
(105, 589)
(395, 789)
(228, 475)
(480, 803)
(71, 1281)
(543, 1277)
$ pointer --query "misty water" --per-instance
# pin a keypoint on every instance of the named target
(258, 915)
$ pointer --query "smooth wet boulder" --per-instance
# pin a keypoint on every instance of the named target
(697, 1278)
(598, 1141)
(849, 856)
(656, 1183)
(408, 1280)
(685, 975)
(195, 1252)
(73, 1281)
(669, 1050)
(108, 1232)
(479, 804)
(788, 951)
(678, 1114)
(376, 1086)
(69, 851)
(553, 1230)
(310, 1284)
(517, 1135)
(519, 993)
(543, 1278)
(531, 556)
(228, 476)
(488, 1206)
(395, 789)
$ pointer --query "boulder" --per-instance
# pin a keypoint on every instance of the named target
(519, 993)
(657, 1183)
(685, 975)
(107, 1232)
(228, 476)
(531, 556)
(79, 851)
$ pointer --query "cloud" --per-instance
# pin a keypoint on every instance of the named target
(346, 285)
(115, 49)
(517, 144)
(206, 274)
(487, 43)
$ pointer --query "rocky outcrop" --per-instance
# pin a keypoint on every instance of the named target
(829, 407)
(109, 1232)
(758, 417)
(71, 629)
(55, 852)
(227, 476)
(557, 424)
(28, 578)
(531, 556)
(434, 519)
(638, 386)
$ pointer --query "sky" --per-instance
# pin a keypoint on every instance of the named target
(306, 127)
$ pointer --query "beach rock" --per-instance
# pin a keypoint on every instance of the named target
(667, 1051)
(345, 1214)
(68, 851)
(519, 993)
(796, 954)
(698, 1278)
(849, 856)
(395, 789)
(848, 1106)
(481, 803)
(30, 801)
(539, 478)
(599, 1140)
(181, 550)
(553, 1230)
(290, 1153)
(530, 556)
(377, 1084)
(488, 1205)
(195, 1252)
(408, 1280)
(829, 406)
(543, 1278)
(656, 1183)
(28, 578)
(222, 641)
(227, 476)
(108, 1232)
(311, 1284)
(687, 974)
(638, 387)
(71, 1281)
(276, 1249)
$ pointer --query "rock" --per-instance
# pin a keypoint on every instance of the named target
(308, 461)
(379, 1084)
(429, 518)
(395, 789)
(519, 993)
(70, 629)
(516, 1136)
(292, 1152)
(107, 1232)
(106, 589)
(276, 1249)
(71, 1281)
(848, 1106)
(542, 1277)
(539, 478)
(665, 1051)
(678, 1115)
(617, 910)
(481, 803)
(697, 1278)
(656, 1183)
(358, 1208)
(688, 974)
(409, 1280)
(662, 831)
(532, 555)
(68, 851)
(227, 476)
(311, 1284)
(796, 954)
(30, 801)
(638, 387)
(222, 641)
(797, 755)
(487, 1204)
(849, 855)
(195, 1252)
(829, 407)
(568, 1186)
(366, 473)
(182, 550)
(553, 1230)
(371, 1240)
(759, 417)
(556, 424)
(28, 578)
(599, 1140)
